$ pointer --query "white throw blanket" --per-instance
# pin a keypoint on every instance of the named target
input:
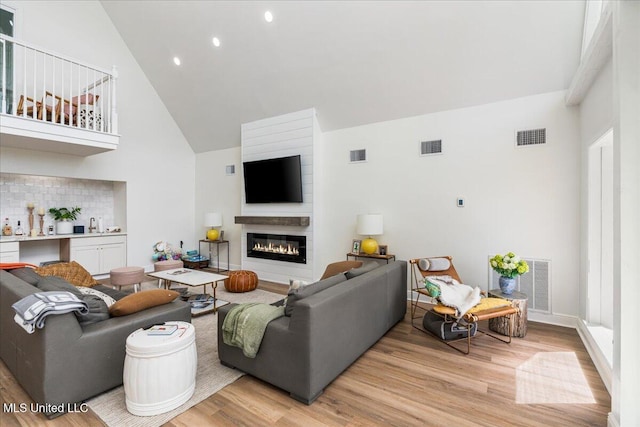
(456, 295)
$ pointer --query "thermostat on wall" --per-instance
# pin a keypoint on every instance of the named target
(460, 202)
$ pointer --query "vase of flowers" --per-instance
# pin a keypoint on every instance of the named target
(508, 266)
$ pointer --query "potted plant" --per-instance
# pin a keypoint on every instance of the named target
(508, 266)
(64, 216)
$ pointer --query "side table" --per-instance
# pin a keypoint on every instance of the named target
(386, 258)
(159, 370)
(217, 243)
(501, 324)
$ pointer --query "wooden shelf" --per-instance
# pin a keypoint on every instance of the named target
(290, 221)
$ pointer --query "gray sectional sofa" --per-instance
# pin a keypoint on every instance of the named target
(325, 332)
(68, 361)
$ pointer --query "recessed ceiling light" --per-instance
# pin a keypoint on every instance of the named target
(176, 60)
(216, 42)
(268, 16)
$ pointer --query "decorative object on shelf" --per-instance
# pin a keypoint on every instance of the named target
(382, 249)
(355, 246)
(164, 251)
(213, 220)
(369, 225)
(508, 266)
(41, 215)
(30, 209)
(7, 230)
(19, 231)
(64, 216)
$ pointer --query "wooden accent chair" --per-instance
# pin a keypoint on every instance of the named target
(473, 316)
(34, 110)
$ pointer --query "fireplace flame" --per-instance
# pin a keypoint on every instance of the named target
(276, 249)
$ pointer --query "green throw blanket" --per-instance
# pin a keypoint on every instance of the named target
(245, 324)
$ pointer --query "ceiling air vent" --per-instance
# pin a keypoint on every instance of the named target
(230, 169)
(431, 147)
(358, 156)
(531, 137)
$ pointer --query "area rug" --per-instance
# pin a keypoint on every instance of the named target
(211, 375)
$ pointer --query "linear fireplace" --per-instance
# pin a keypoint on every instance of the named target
(279, 247)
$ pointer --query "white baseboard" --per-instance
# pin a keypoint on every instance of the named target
(612, 420)
(553, 319)
(598, 358)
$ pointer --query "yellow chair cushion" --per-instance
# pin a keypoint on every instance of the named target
(484, 304)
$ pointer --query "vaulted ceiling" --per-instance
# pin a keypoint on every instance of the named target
(356, 62)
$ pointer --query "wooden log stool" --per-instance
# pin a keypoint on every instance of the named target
(168, 264)
(127, 276)
(500, 324)
(241, 281)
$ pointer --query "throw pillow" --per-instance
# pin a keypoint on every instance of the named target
(98, 310)
(366, 267)
(340, 267)
(109, 301)
(434, 264)
(54, 283)
(72, 272)
(298, 294)
(142, 300)
(113, 293)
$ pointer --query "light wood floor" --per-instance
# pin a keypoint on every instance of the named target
(408, 378)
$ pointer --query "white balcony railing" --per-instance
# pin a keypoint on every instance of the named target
(43, 86)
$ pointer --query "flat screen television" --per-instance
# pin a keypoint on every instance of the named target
(273, 180)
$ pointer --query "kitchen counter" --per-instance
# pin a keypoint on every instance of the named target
(57, 237)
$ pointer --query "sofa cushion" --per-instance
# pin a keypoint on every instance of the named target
(340, 267)
(72, 272)
(55, 283)
(366, 267)
(298, 294)
(113, 293)
(141, 300)
(27, 274)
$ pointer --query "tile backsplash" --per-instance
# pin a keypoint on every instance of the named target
(96, 198)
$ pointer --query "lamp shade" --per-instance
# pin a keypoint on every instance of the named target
(212, 220)
(369, 224)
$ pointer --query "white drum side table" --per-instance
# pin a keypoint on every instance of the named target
(160, 370)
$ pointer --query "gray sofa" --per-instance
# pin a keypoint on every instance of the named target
(66, 362)
(326, 331)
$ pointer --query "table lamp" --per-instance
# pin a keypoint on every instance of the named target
(213, 220)
(369, 225)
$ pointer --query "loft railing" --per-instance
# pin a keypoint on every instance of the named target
(44, 86)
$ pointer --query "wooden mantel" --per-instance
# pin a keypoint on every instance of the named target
(292, 221)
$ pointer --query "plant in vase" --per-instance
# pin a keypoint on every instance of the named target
(64, 217)
(508, 266)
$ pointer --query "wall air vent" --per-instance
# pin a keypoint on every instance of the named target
(431, 147)
(230, 169)
(536, 284)
(358, 156)
(531, 137)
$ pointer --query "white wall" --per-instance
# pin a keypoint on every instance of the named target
(525, 200)
(153, 157)
(218, 192)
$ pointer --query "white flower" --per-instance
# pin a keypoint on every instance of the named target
(506, 259)
(516, 259)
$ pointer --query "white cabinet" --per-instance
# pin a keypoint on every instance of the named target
(98, 255)
(9, 252)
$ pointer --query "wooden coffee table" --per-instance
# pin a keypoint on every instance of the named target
(185, 276)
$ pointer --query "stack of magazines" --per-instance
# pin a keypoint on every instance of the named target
(200, 300)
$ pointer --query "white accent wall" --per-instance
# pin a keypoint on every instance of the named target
(153, 158)
(282, 136)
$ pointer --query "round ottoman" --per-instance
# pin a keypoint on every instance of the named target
(168, 264)
(241, 281)
(159, 370)
(127, 276)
